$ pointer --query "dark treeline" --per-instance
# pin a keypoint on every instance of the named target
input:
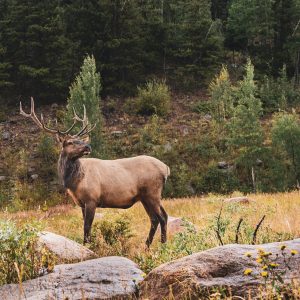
(43, 43)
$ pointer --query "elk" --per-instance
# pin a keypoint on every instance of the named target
(119, 183)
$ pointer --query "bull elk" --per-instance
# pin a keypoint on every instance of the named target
(119, 183)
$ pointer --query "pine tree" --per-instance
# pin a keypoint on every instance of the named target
(5, 65)
(245, 132)
(85, 91)
(33, 35)
(112, 31)
(250, 28)
(194, 43)
(221, 96)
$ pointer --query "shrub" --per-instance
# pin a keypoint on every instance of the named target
(285, 137)
(154, 98)
(20, 257)
(151, 136)
(112, 237)
(179, 183)
(202, 107)
(278, 94)
(218, 181)
(48, 153)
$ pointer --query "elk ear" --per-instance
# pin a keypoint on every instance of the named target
(86, 139)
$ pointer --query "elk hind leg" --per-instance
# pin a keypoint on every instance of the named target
(163, 221)
(154, 224)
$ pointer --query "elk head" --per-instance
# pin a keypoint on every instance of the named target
(73, 146)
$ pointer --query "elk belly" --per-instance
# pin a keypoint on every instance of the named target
(71, 194)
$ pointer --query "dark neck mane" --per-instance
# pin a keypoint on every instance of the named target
(70, 172)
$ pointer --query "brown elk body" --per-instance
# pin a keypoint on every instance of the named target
(116, 183)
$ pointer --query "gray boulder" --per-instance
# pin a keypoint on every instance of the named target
(221, 268)
(222, 165)
(65, 249)
(6, 135)
(177, 224)
(34, 176)
(102, 278)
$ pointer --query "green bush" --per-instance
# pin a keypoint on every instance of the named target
(179, 183)
(48, 154)
(218, 181)
(112, 237)
(154, 98)
(202, 107)
(151, 136)
(20, 257)
(278, 94)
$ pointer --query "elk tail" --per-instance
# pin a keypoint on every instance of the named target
(167, 174)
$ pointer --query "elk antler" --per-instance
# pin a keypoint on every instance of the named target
(85, 123)
(41, 123)
(32, 115)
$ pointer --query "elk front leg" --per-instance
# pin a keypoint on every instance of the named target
(88, 215)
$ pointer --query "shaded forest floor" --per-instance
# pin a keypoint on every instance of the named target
(118, 119)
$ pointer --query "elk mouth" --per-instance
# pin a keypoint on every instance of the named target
(87, 150)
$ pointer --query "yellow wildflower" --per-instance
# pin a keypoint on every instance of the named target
(294, 252)
(273, 265)
(265, 267)
(266, 254)
(248, 272)
(259, 260)
(264, 274)
(282, 247)
(248, 254)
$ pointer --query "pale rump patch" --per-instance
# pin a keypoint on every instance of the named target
(71, 194)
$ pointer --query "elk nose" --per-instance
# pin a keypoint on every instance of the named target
(88, 147)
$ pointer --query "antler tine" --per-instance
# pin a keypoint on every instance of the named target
(32, 114)
(88, 131)
(68, 130)
(84, 121)
(35, 119)
(81, 132)
(56, 131)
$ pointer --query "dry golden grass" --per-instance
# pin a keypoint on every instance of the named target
(282, 212)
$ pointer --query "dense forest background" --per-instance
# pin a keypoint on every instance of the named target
(211, 87)
(43, 43)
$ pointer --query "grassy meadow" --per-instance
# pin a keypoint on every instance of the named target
(123, 232)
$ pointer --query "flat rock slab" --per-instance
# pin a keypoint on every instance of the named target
(65, 249)
(102, 278)
(196, 275)
(241, 200)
